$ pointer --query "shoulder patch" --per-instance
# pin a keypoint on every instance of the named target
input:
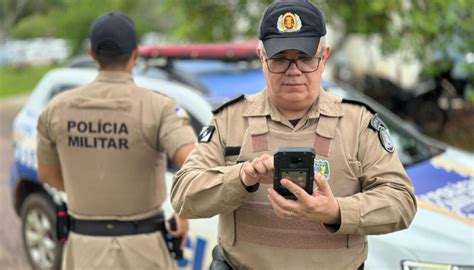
(376, 123)
(386, 140)
(206, 133)
(182, 114)
(384, 134)
(230, 102)
(360, 103)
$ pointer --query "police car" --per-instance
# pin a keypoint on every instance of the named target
(440, 237)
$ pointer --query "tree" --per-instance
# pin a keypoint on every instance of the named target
(13, 11)
(434, 31)
(75, 18)
(214, 20)
(422, 28)
(438, 32)
(36, 25)
(72, 19)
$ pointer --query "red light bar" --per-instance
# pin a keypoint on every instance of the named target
(243, 50)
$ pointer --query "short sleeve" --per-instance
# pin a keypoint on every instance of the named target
(46, 146)
(175, 130)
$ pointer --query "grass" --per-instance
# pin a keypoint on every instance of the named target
(17, 80)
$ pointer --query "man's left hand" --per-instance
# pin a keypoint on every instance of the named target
(321, 206)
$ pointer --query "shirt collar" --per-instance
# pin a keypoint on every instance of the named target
(258, 104)
(326, 104)
(114, 77)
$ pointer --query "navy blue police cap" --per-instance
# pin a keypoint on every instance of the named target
(113, 34)
(291, 25)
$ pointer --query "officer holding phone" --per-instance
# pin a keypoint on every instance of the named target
(360, 186)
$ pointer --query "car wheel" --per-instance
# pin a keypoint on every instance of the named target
(39, 232)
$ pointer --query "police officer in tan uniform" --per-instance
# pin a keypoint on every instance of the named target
(106, 144)
(361, 185)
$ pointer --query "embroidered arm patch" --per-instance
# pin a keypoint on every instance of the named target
(384, 134)
(206, 133)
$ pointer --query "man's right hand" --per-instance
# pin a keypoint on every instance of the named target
(260, 170)
(182, 228)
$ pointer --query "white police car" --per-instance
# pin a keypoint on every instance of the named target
(440, 237)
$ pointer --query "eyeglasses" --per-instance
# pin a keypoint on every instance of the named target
(304, 64)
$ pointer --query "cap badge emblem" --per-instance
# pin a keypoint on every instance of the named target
(289, 22)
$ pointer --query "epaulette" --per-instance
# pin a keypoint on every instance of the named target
(360, 103)
(230, 102)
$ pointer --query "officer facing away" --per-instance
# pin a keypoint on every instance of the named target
(361, 187)
(105, 144)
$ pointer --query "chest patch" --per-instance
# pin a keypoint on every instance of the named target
(206, 133)
(322, 166)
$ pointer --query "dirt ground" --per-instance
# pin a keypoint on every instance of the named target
(459, 131)
(12, 254)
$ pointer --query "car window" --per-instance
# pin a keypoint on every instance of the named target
(410, 148)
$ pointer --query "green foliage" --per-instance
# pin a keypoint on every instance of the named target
(14, 11)
(214, 20)
(76, 17)
(433, 31)
(36, 25)
(437, 32)
(360, 16)
(424, 29)
(470, 96)
(16, 80)
(71, 19)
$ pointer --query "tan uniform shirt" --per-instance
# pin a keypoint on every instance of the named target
(373, 191)
(110, 139)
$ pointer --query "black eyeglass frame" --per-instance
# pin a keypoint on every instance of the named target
(291, 61)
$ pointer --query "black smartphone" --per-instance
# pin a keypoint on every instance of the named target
(295, 164)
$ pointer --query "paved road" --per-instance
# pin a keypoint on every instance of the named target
(12, 255)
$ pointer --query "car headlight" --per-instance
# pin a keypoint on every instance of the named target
(412, 265)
